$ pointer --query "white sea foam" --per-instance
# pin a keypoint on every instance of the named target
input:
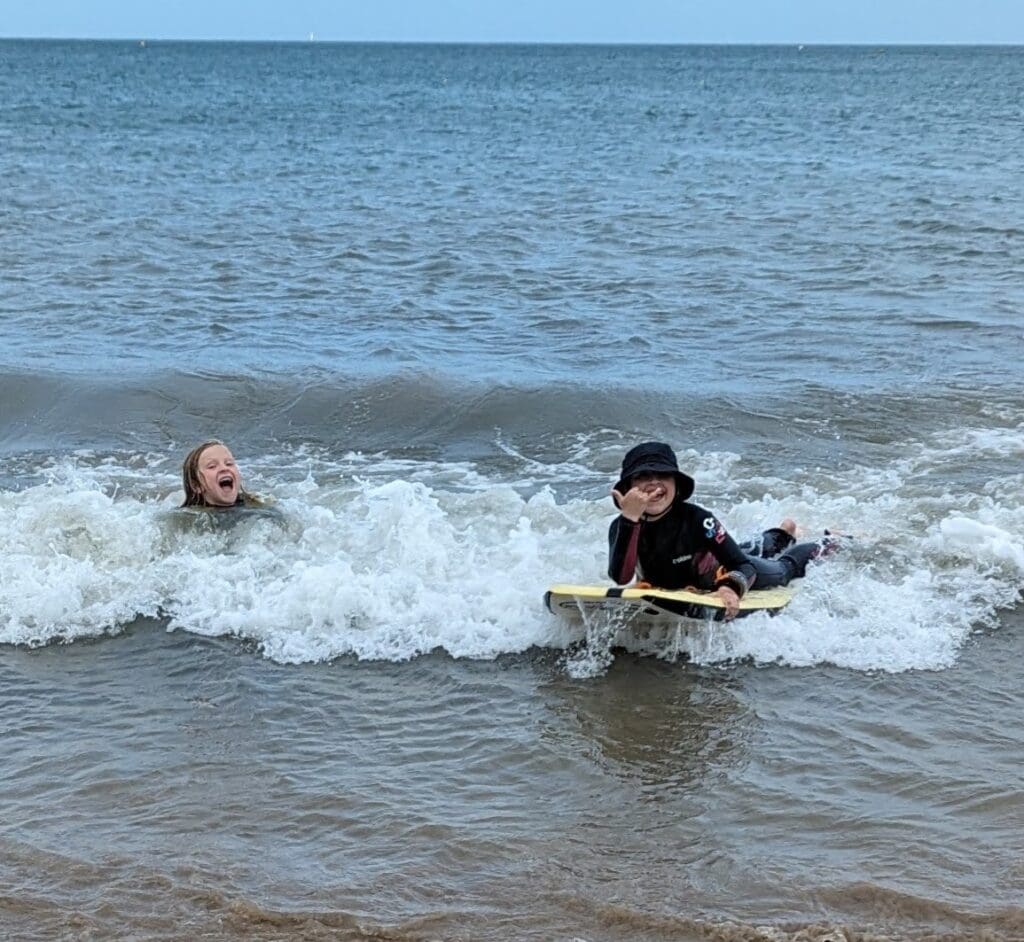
(387, 560)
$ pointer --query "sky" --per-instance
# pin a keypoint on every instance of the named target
(583, 21)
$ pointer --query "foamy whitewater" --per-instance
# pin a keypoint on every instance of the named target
(389, 560)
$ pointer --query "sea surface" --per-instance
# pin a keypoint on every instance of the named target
(429, 295)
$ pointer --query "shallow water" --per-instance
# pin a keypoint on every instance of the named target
(430, 295)
(503, 799)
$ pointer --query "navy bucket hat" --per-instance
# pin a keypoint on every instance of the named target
(656, 458)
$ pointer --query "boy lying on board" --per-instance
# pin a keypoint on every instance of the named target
(664, 540)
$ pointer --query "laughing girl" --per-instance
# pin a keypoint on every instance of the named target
(212, 480)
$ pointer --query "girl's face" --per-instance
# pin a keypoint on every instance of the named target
(219, 478)
(660, 490)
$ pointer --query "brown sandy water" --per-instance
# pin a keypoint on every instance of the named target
(163, 786)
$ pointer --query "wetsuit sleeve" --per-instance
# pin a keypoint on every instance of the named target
(734, 569)
(623, 540)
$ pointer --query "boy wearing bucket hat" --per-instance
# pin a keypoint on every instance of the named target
(673, 544)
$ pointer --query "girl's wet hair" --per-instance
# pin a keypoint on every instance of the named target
(191, 481)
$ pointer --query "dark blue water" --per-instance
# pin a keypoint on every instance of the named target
(429, 295)
(540, 214)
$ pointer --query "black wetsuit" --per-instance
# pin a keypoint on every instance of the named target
(690, 547)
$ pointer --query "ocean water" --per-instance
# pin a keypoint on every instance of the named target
(429, 295)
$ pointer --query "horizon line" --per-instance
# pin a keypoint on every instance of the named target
(316, 41)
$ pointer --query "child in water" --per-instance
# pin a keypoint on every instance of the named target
(212, 480)
(673, 544)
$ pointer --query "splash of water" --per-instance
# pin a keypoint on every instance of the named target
(390, 560)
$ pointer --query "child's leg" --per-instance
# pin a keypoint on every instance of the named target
(772, 542)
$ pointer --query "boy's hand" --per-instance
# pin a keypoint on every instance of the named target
(731, 601)
(633, 504)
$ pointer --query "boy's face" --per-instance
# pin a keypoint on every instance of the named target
(659, 489)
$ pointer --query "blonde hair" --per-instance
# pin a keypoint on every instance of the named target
(192, 482)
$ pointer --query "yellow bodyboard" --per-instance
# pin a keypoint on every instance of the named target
(573, 601)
